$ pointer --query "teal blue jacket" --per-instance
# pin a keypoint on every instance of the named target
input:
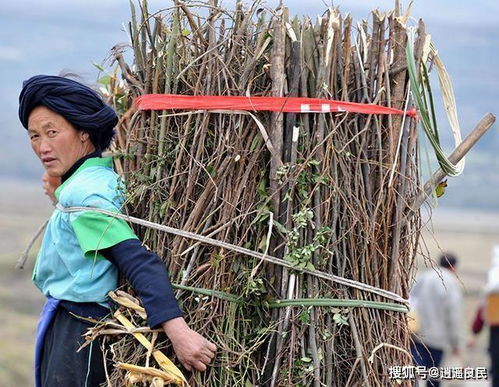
(69, 265)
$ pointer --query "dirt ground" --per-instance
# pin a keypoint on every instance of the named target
(23, 208)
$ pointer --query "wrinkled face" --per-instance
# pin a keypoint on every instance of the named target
(55, 141)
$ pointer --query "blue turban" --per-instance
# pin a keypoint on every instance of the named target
(77, 103)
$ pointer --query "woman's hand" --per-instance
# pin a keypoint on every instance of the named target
(50, 184)
(192, 349)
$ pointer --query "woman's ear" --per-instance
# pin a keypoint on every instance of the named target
(84, 136)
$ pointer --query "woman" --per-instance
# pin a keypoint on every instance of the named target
(69, 126)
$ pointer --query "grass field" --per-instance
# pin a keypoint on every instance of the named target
(23, 207)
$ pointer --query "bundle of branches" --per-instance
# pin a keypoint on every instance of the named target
(321, 201)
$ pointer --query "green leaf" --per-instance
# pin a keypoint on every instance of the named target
(98, 67)
(255, 143)
(420, 91)
(162, 209)
(304, 317)
(105, 80)
(279, 227)
(210, 169)
(262, 244)
(261, 189)
(261, 216)
(339, 319)
(310, 266)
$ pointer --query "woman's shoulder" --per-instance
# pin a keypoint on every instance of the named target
(91, 183)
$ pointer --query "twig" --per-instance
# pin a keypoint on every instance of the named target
(25, 254)
(478, 131)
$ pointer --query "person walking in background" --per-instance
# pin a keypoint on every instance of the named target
(436, 298)
(488, 313)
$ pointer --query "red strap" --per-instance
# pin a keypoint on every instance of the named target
(273, 104)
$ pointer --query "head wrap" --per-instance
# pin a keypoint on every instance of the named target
(77, 103)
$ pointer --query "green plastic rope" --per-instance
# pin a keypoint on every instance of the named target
(323, 302)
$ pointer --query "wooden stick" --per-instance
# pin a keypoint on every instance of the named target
(25, 254)
(358, 349)
(483, 125)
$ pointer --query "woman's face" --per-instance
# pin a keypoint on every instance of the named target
(55, 141)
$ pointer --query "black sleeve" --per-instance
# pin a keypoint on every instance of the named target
(148, 276)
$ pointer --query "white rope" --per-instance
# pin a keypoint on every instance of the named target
(242, 250)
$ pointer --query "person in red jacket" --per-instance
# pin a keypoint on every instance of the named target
(479, 322)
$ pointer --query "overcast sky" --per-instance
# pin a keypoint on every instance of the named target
(33, 32)
(47, 36)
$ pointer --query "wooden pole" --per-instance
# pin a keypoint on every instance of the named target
(483, 125)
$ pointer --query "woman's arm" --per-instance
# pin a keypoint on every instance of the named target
(149, 277)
